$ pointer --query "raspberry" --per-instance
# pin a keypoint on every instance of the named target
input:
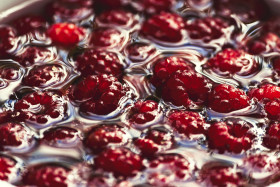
(267, 91)
(233, 136)
(184, 87)
(10, 73)
(156, 6)
(155, 141)
(139, 52)
(143, 112)
(169, 169)
(105, 136)
(100, 181)
(117, 18)
(66, 34)
(107, 38)
(47, 175)
(29, 23)
(272, 138)
(99, 94)
(61, 136)
(14, 136)
(95, 62)
(217, 174)
(8, 41)
(164, 68)
(45, 76)
(33, 55)
(8, 168)
(272, 109)
(187, 123)
(226, 98)
(230, 61)
(41, 108)
(276, 63)
(165, 27)
(119, 161)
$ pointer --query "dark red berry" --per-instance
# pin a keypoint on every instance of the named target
(8, 41)
(119, 161)
(226, 98)
(105, 136)
(29, 23)
(116, 17)
(47, 175)
(164, 68)
(271, 139)
(10, 73)
(139, 52)
(41, 108)
(166, 27)
(276, 63)
(61, 136)
(96, 62)
(155, 141)
(157, 6)
(8, 169)
(169, 169)
(187, 123)
(185, 87)
(143, 112)
(45, 76)
(272, 109)
(100, 181)
(267, 91)
(232, 136)
(66, 34)
(231, 61)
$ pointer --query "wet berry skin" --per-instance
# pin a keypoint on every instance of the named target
(143, 112)
(271, 139)
(139, 52)
(119, 161)
(267, 91)
(187, 123)
(232, 136)
(116, 17)
(96, 62)
(8, 168)
(165, 27)
(8, 41)
(272, 109)
(157, 6)
(226, 98)
(29, 23)
(66, 34)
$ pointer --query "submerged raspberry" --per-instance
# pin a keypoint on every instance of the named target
(157, 6)
(29, 23)
(231, 61)
(271, 139)
(267, 91)
(226, 98)
(272, 109)
(187, 123)
(116, 17)
(139, 52)
(232, 136)
(8, 41)
(119, 161)
(166, 27)
(8, 169)
(96, 62)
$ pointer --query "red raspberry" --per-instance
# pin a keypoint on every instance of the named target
(15, 137)
(187, 123)
(156, 6)
(169, 169)
(139, 52)
(107, 38)
(116, 17)
(185, 87)
(105, 136)
(99, 95)
(41, 108)
(272, 109)
(95, 62)
(8, 41)
(47, 175)
(217, 174)
(143, 112)
(8, 169)
(267, 91)
(226, 98)
(232, 136)
(43, 76)
(29, 23)
(230, 61)
(33, 55)
(120, 161)
(207, 29)
(66, 34)
(155, 141)
(164, 68)
(165, 27)
(272, 137)
(61, 136)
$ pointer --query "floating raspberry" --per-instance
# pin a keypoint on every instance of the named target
(139, 52)
(164, 68)
(41, 108)
(230, 61)
(185, 87)
(233, 136)
(169, 169)
(155, 141)
(105, 136)
(8, 169)
(45, 76)
(29, 23)
(226, 98)
(96, 62)
(272, 138)
(272, 109)
(157, 6)
(267, 91)
(66, 34)
(8, 41)
(166, 27)
(47, 175)
(119, 161)
(116, 17)
(187, 123)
